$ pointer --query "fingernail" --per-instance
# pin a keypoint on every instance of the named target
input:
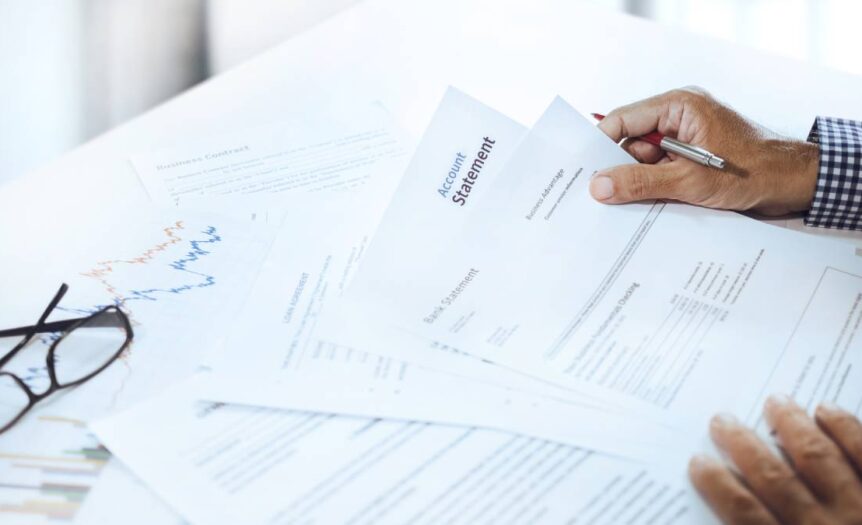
(602, 187)
(699, 463)
(773, 403)
(722, 421)
(778, 400)
(829, 406)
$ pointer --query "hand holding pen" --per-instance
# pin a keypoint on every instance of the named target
(677, 137)
(686, 151)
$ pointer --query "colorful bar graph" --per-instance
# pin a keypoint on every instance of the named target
(50, 487)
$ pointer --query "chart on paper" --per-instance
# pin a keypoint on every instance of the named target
(176, 277)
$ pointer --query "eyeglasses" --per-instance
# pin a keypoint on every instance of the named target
(79, 350)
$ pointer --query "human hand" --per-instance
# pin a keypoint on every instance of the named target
(765, 172)
(820, 485)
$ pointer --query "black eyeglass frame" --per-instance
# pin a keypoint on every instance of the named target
(119, 320)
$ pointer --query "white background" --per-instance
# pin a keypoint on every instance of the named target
(72, 69)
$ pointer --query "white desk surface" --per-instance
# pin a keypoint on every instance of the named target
(513, 55)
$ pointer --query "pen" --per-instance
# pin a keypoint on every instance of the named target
(693, 153)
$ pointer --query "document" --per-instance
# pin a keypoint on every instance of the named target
(183, 276)
(323, 151)
(321, 250)
(822, 361)
(654, 307)
(218, 463)
(273, 358)
(180, 276)
(119, 497)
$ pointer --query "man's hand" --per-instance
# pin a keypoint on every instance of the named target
(765, 172)
(819, 483)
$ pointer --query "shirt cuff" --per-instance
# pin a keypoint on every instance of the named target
(838, 195)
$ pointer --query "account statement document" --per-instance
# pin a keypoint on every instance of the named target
(673, 310)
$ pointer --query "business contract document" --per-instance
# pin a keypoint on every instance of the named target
(324, 151)
(656, 307)
(218, 463)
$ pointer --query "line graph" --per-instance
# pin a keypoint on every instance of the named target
(179, 281)
(104, 270)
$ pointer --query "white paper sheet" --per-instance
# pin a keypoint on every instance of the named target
(273, 358)
(180, 276)
(353, 148)
(323, 151)
(219, 463)
(655, 307)
(119, 497)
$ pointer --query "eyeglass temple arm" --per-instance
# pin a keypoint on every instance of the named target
(32, 330)
(45, 328)
(59, 326)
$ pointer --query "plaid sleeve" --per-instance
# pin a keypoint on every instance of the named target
(838, 196)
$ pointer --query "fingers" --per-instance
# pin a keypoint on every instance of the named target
(731, 501)
(635, 119)
(817, 459)
(770, 479)
(662, 112)
(643, 151)
(821, 487)
(637, 182)
(844, 429)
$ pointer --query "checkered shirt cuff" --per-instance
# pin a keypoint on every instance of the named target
(838, 196)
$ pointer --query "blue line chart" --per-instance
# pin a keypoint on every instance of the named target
(198, 248)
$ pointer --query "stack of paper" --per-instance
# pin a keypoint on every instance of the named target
(470, 337)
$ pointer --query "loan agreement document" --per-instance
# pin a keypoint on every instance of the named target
(673, 310)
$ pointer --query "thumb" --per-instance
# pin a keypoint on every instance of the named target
(637, 182)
